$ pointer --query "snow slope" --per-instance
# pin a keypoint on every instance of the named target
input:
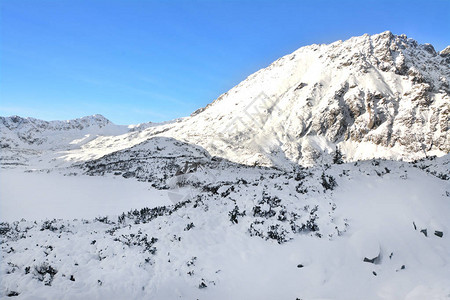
(274, 235)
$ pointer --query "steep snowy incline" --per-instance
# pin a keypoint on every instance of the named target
(374, 96)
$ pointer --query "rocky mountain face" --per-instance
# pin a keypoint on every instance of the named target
(373, 96)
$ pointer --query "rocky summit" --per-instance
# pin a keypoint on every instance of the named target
(372, 96)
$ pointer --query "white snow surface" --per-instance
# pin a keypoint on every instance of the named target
(40, 196)
(377, 211)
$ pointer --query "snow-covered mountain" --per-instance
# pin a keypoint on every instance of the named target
(381, 96)
(39, 144)
(373, 96)
(22, 132)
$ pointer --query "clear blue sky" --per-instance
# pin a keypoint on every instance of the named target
(138, 61)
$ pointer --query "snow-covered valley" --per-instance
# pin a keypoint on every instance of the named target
(35, 196)
(382, 230)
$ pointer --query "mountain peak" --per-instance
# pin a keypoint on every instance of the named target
(381, 95)
(93, 119)
(385, 34)
(445, 52)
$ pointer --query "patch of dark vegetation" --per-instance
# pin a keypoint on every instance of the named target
(139, 239)
(49, 225)
(45, 273)
(338, 157)
(4, 228)
(276, 232)
(15, 231)
(443, 176)
(270, 202)
(191, 262)
(328, 182)
(213, 189)
(145, 215)
(301, 189)
(104, 220)
(189, 226)
(12, 294)
(286, 223)
(425, 164)
(234, 214)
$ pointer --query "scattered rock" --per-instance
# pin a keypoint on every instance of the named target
(13, 294)
(401, 268)
(128, 174)
(374, 260)
(438, 233)
(301, 85)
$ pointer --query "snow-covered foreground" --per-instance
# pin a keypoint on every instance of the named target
(40, 196)
(381, 233)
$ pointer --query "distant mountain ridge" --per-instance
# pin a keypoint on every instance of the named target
(18, 132)
(16, 122)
